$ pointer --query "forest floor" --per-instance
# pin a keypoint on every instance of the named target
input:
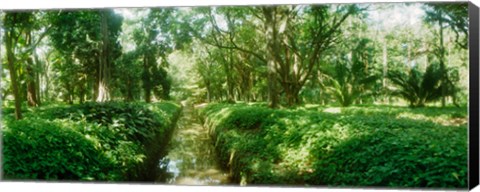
(192, 159)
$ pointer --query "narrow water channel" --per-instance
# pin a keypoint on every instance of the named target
(191, 158)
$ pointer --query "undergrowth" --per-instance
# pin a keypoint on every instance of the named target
(93, 141)
(355, 146)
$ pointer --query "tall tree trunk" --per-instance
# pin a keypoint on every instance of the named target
(104, 69)
(31, 85)
(146, 78)
(38, 65)
(129, 94)
(9, 46)
(30, 72)
(46, 77)
(442, 62)
(271, 38)
(229, 72)
(385, 67)
(82, 89)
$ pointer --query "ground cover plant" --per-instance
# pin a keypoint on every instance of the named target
(92, 141)
(355, 146)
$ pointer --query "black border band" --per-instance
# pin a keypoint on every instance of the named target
(473, 136)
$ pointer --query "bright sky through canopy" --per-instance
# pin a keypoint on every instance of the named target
(385, 16)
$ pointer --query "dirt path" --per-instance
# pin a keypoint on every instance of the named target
(191, 158)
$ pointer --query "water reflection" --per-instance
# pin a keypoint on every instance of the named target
(191, 159)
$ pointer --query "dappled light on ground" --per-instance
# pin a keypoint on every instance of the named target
(444, 120)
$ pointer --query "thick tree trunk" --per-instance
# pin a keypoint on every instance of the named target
(9, 36)
(271, 38)
(104, 69)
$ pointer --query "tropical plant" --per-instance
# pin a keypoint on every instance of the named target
(419, 87)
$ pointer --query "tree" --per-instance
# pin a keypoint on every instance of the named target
(417, 87)
(89, 39)
(127, 75)
(12, 22)
(104, 69)
(159, 34)
(297, 53)
(353, 74)
(454, 16)
(294, 38)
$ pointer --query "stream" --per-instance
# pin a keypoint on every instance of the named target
(191, 159)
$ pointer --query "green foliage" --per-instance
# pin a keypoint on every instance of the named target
(349, 73)
(355, 146)
(129, 121)
(76, 36)
(52, 150)
(419, 88)
(127, 75)
(455, 15)
(117, 141)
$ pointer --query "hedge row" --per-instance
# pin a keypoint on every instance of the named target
(93, 141)
(357, 146)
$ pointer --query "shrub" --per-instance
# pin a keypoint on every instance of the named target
(358, 146)
(130, 137)
(39, 149)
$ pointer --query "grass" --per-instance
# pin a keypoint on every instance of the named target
(93, 141)
(354, 146)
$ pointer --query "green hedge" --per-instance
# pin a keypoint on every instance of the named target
(92, 141)
(39, 149)
(356, 146)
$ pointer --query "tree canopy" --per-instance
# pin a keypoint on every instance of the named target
(284, 55)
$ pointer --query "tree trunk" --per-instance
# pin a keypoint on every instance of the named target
(31, 85)
(129, 94)
(385, 64)
(70, 93)
(271, 38)
(442, 62)
(37, 78)
(229, 72)
(146, 78)
(104, 69)
(385, 68)
(9, 46)
(46, 79)
(82, 90)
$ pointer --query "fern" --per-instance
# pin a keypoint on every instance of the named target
(419, 87)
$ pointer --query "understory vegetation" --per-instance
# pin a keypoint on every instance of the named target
(91, 141)
(355, 146)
